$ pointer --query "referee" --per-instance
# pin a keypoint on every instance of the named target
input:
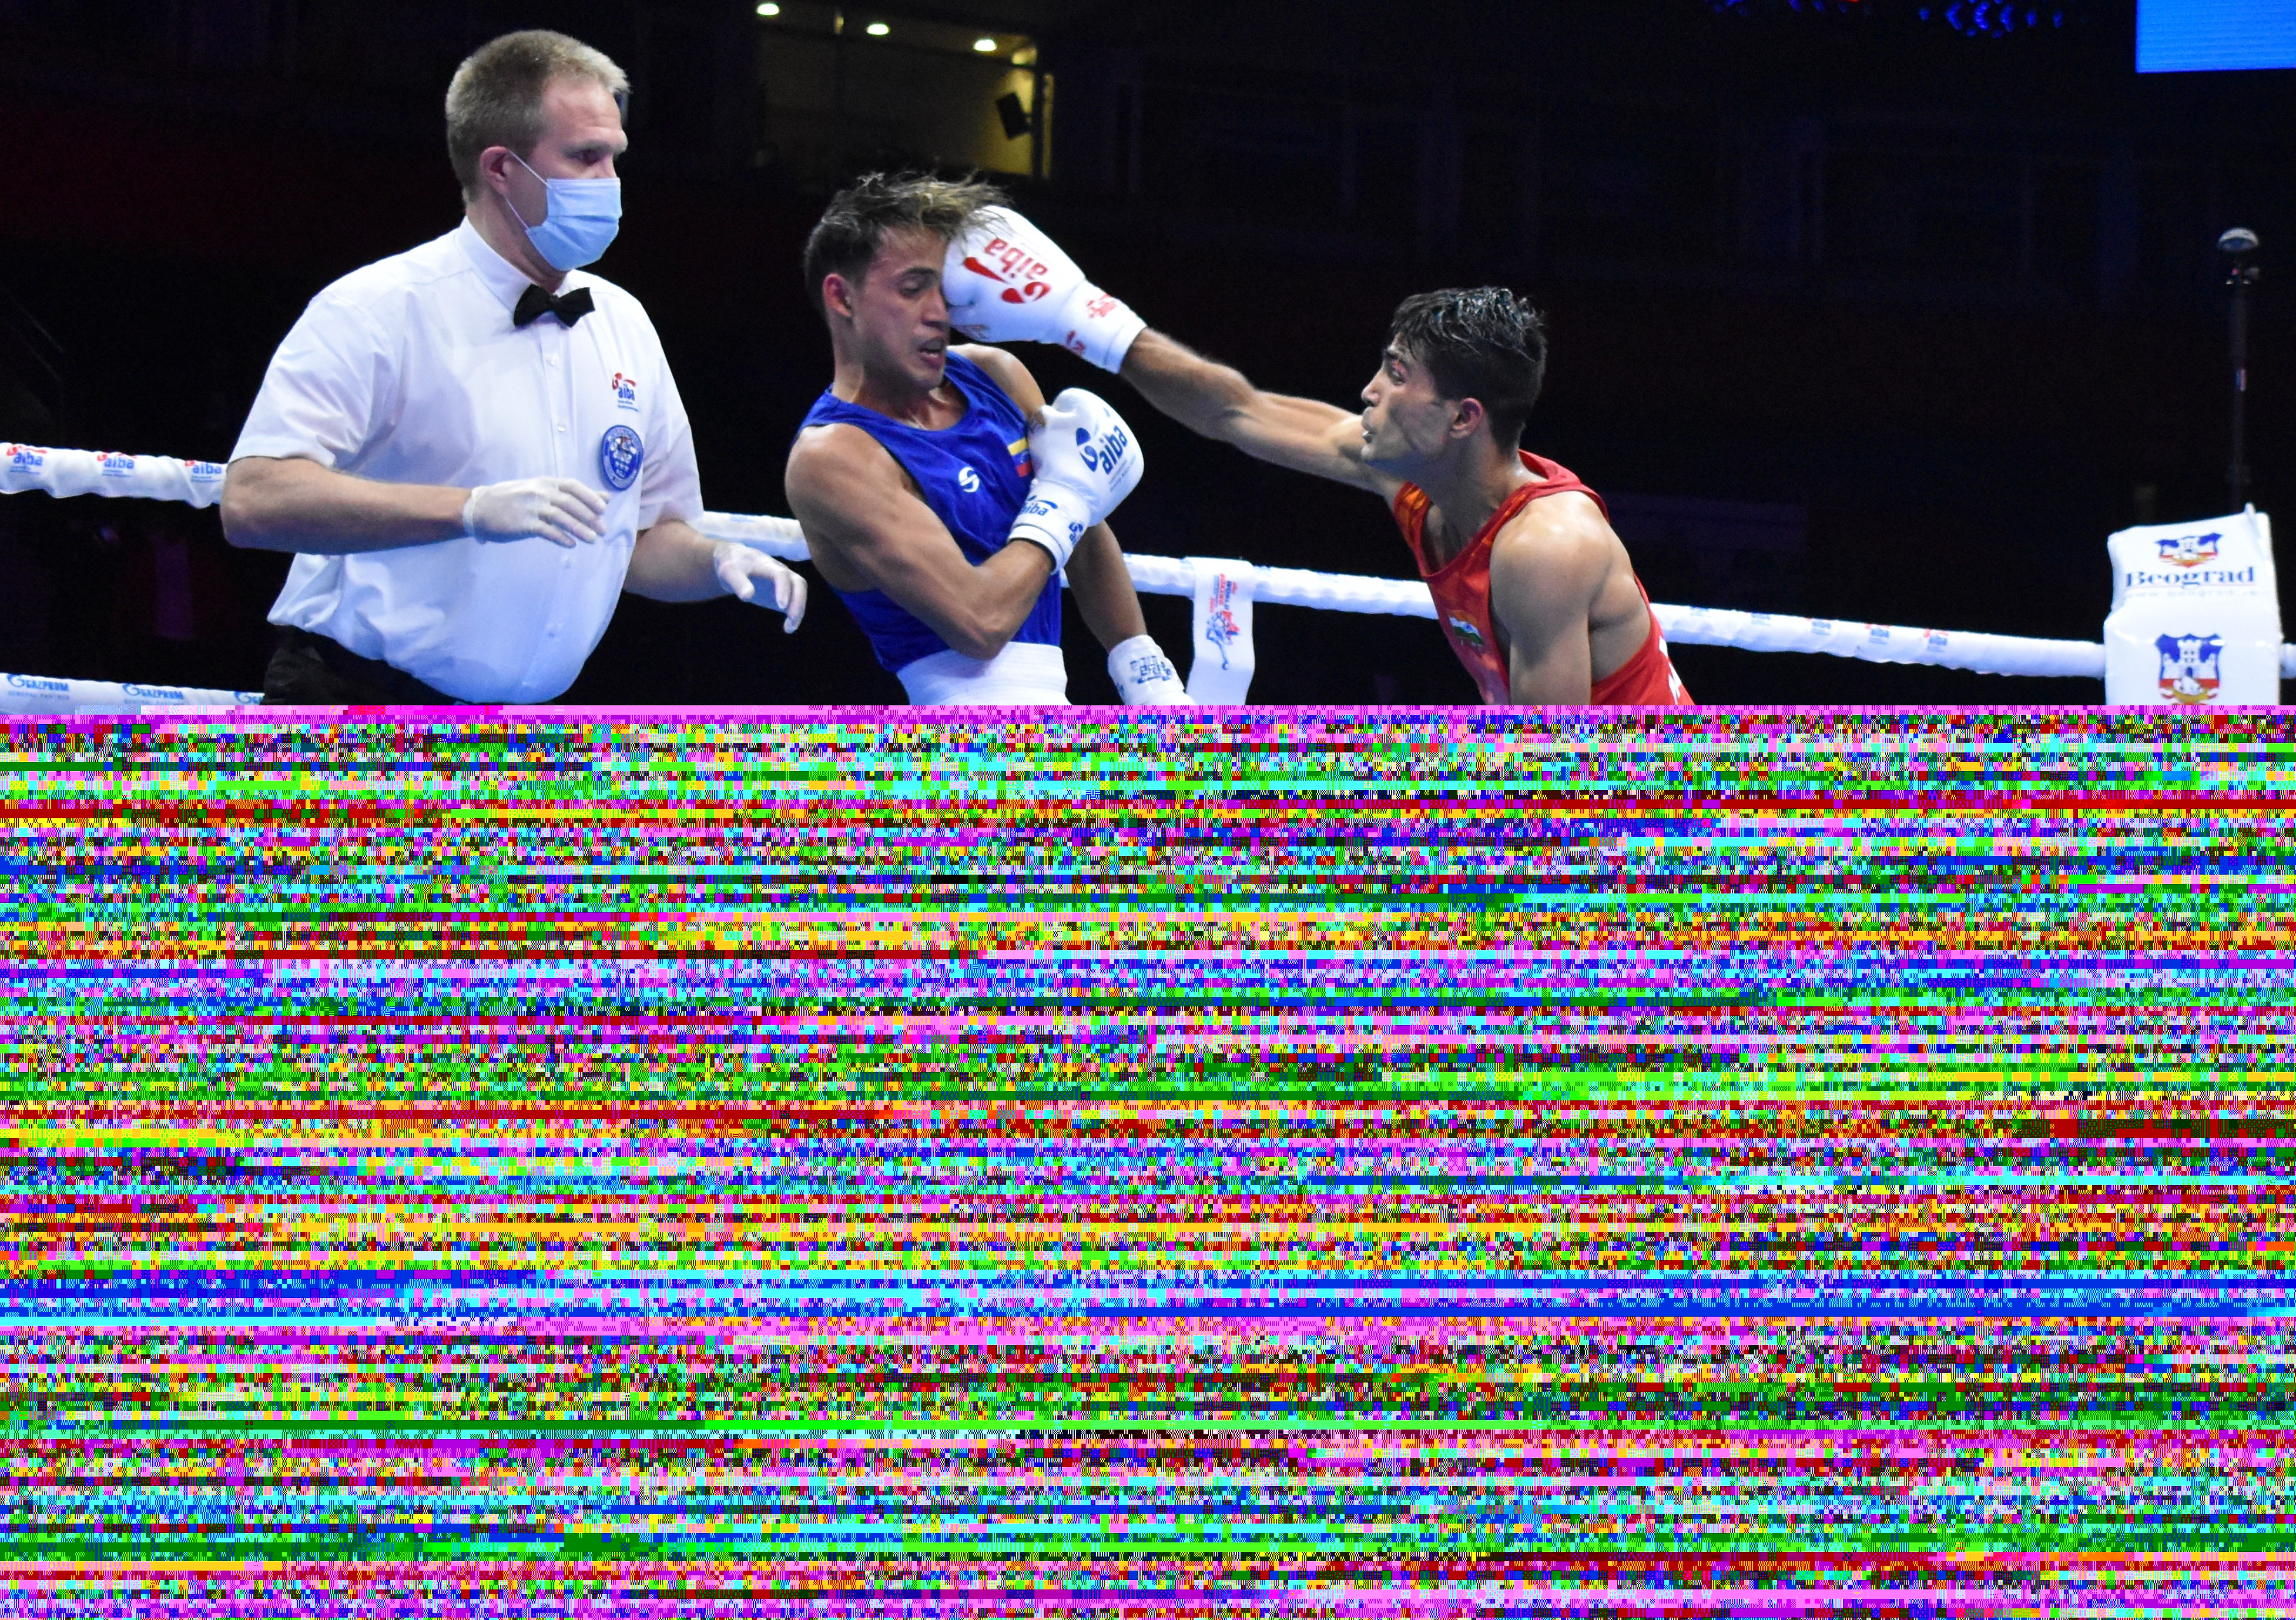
(473, 446)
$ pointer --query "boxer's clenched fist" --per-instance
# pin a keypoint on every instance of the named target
(565, 510)
(1144, 676)
(1087, 461)
(1007, 281)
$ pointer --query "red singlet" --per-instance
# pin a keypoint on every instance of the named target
(1462, 589)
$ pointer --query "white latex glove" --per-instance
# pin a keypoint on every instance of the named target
(565, 510)
(1087, 461)
(1144, 676)
(1007, 282)
(743, 569)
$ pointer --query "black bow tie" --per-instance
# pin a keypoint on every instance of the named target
(534, 303)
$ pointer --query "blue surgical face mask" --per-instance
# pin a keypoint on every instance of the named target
(582, 219)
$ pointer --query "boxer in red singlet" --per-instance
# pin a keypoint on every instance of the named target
(1533, 591)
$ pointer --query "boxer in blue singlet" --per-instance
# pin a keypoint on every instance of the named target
(914, 477)
(973, 476)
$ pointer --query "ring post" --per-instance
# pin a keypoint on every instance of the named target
(2195, 614)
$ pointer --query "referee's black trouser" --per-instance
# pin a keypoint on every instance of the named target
(318, 670)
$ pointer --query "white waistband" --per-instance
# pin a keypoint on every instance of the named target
(1023, 672)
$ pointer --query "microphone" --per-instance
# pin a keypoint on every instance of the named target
(2241, 275)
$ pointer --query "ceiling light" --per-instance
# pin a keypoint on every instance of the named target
(768, 9)
(878, 30)
(984, 45)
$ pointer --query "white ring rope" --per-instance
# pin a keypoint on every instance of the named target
(1714, 627)
(199, 483)
(41, 694)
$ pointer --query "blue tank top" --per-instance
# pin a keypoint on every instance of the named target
(974, 476)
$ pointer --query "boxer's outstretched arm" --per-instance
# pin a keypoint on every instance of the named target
(867, 529)
(1220, 402)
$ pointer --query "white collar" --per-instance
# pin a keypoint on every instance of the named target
(503, 278)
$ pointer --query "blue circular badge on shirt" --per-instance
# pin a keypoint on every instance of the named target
(620, 453)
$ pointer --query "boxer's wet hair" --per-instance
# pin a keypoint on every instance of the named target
(494, 98)
(858, 219)
(1480, 343)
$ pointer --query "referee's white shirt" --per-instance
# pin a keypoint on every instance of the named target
(409, 371)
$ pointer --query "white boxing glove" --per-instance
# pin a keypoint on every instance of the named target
(1007, 281)
(1087, 461)
(562, 509)
(1144, 676)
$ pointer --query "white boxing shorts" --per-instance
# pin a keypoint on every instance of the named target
(1023, 672)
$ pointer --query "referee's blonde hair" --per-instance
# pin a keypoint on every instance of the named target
(494, 98)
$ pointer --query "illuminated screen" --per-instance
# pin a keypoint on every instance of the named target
(2197, 36)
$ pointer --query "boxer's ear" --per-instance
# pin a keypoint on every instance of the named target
(1467, 419)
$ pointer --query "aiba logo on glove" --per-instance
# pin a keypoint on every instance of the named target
(1104, 455)
(1012, 264)
(1146, 667)
(2191, 668)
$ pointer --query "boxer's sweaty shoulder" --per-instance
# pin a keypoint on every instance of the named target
(880, 498)
(838, 475)
(1559, 552)
(1564, 527)
(1006, 370)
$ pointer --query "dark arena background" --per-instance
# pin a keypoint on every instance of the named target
(718, 1143)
